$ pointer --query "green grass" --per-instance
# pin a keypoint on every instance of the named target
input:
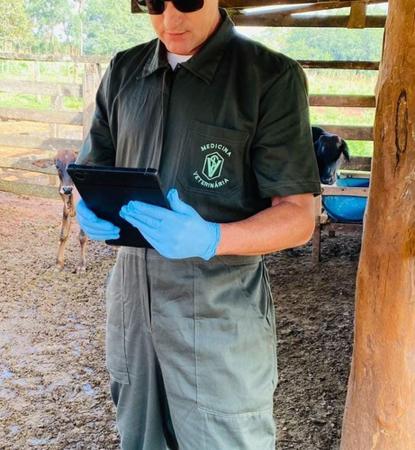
(341, 82)
(37, 102)
(360, 148)
(24, 101)
(346, 116)
(343, 116)
(41, 71)
(344, 82)
(73, 103)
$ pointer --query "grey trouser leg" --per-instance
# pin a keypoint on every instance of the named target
(148, 425)
(137, 389)
(191, 348)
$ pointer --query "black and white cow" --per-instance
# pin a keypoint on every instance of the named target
(331, 150)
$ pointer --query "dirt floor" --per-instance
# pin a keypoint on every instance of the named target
(53, 383)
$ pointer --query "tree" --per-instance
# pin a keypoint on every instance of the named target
(14, 23)
(110, 26)
(51, 23)
(325, 44)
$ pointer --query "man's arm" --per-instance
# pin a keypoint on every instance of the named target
(180, 232)
(97, 149)
(288, 223)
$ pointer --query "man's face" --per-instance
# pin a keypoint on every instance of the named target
(184, 33)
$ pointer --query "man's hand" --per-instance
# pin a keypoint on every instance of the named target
(94, 227)
(176, 234)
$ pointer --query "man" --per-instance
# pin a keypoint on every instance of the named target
(190, 344)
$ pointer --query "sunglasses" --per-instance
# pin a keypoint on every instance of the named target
(158, 6)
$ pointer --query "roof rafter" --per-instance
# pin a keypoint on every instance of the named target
(320, 6)
(287, 13)
(279, 20)
(241, 4)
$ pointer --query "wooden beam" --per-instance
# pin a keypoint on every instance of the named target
(361, 163)
(30, 115)
(380, 404)
(36, 142)
(285, 10)
(333, 227)
(351, 65)
(27, 165)
(343, 191)
(357, 17)
(349, 101)
(323, 6)
(316, 239)
(135, 7)
(350, 132)
(77, 92)
(30, 189)
(54, 58)
(354, 173)
(320, 6)
(231, 4)
(257, 3)
(41, 88)
(277, 20)
(92, 77)
(297, 4)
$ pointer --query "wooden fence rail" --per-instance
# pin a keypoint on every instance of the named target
(29, 115)
(54, 58)
(41, 88)
(348, 101)
(16, 173)
(36, 142)
(57, 116)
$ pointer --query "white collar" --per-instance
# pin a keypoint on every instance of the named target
(175, 59)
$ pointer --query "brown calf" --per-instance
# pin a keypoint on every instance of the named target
(66, 186)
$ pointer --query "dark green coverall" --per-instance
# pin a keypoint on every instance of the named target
(190, 344)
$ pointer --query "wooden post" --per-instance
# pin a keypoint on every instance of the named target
(92, 77)
(316, 240)
(357, 17)
(36, 76)
(56, 105)
(380, 405)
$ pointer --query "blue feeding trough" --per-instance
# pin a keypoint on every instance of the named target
(346, 208)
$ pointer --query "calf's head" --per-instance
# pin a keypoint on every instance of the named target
(331, 150)
(62, 160)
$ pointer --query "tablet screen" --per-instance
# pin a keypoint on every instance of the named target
(106, 189)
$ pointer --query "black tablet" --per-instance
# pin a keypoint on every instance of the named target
(106, 189)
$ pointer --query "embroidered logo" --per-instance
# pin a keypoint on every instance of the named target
(209, 174)
(212, 168)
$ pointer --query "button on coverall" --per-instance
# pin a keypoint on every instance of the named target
(190, 344)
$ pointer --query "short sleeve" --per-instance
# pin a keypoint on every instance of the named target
(283, 155)
(98, 147)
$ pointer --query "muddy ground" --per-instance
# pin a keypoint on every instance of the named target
(53, 383)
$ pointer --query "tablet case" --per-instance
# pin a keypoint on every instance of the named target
(106, 189)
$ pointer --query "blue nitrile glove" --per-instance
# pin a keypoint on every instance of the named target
(94, 227)
(177, 233)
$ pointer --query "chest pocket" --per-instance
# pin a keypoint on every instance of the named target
(214, 159)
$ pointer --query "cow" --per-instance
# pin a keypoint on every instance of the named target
(66, 186)
(331, 151)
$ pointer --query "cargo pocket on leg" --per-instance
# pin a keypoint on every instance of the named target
(115, 355)
(234, 366)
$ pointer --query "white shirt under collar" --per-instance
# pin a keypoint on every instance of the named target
(175, 59)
